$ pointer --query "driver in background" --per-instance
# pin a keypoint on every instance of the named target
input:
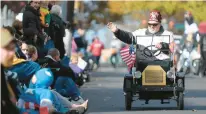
(191, 31)
(154, 29)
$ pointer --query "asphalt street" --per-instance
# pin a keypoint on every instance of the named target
(105, 95)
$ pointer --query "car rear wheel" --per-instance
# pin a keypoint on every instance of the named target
(128, 100)
(180, 99)
(185, 69)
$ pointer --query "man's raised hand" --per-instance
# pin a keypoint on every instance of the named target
(158, 45)
(112, 27)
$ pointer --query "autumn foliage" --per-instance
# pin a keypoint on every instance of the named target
(168, 8)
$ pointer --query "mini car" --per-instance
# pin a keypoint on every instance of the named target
(154, 80)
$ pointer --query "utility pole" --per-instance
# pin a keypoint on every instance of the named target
(70, 11)
(70, 18)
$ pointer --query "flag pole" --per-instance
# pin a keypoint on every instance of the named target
(133, 66)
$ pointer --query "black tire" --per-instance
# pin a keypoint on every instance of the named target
(73, 112)
(180, 83)
(202, 72)
(78, 110)
(80, 81)
(128, 100)
(88, 78)
(185, 70)
(180, 99)
(196, 69)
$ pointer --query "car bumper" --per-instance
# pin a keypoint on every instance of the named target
(154, 89)
(143, 88)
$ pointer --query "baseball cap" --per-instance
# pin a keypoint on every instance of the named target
(154, 17)
(6, 37)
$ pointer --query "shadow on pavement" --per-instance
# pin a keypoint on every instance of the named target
(195, 93)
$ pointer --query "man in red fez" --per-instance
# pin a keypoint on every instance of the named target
(154, 29)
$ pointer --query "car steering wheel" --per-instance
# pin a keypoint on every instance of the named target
(151, 53)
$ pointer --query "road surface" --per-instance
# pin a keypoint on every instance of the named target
(105, 95)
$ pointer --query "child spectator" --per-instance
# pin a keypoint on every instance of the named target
(32, 53)
(96, 49)
(45, 16)
(24, 49)
(74, 58)
(17, 25)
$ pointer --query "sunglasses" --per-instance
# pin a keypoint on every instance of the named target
(154, 25)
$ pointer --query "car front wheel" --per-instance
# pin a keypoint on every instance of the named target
(180, 102)
(180, 99)
(128, 100)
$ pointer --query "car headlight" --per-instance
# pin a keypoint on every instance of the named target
(138, 74)
(169, 74)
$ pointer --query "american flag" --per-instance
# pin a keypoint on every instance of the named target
(128, 56)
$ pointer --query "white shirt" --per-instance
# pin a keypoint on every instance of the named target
(144, 40)
(190, 28)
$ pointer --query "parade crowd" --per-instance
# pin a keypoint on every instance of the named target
(38, 70)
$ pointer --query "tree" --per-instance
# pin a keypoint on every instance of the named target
(167, 8)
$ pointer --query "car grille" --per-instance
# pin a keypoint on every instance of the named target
(153, 76)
